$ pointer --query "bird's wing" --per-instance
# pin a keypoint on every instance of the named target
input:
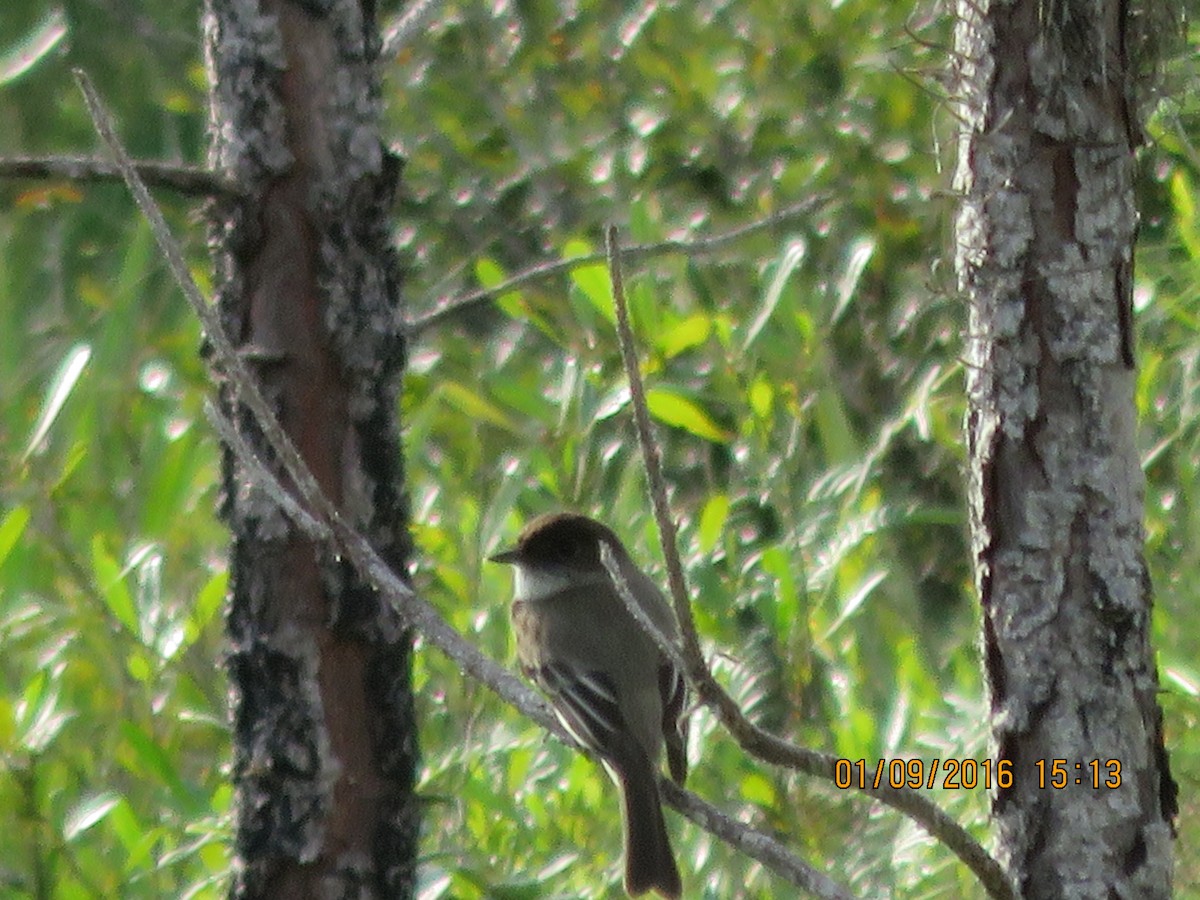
(586, 704)
(673, 690)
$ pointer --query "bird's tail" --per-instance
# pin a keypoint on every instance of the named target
(649, 863)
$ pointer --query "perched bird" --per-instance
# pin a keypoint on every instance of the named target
(612, 687)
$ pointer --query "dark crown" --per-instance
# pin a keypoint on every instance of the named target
(565, 538)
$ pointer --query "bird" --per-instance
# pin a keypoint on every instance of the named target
(612, 687)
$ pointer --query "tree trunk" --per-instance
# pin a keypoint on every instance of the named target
(1045, 241)
(324, 731)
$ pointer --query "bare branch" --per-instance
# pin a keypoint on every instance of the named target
(446, 308)
(191, 181)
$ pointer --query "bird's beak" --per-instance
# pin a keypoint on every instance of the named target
(505, 556)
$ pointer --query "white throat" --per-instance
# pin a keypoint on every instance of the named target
(533, 583)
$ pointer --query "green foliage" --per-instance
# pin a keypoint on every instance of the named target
(113, 734)
(804, 380)
(1167, 304)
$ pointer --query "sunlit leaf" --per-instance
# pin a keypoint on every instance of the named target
(684, 335)
(110, 579)
(854, 601)
(789, 260)
(23, 55)
(57, 392)
(675, 409)
(859, 254)
(11, 529)
(591, 279)
(758, 789)
(761, 397)
(712, 521)
(89, 812)
(489, 273)
(1183, 199)
(209, 600)
(39, 718)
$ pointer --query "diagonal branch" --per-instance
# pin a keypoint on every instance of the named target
(751, 738)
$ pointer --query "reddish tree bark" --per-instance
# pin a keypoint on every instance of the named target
(324, 727)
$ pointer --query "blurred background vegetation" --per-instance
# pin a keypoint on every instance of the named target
(805, 379)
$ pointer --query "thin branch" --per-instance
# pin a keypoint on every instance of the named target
(445, 308)
(754, 740)
(315, 512)
(258, 474)
(753, 843)
(191, 181)
(609, 560)
(230, 360)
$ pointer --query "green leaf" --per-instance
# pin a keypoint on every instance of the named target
(792, 256)
(679, 411)
(89, 812)
(110, 580)
(1183, 200)
(57, 392)
(833, 426)
(153, 760)
(11, 530)
(756, 788)
(208, 602)
(761, 397)
(489, 273)
(778, 563)
(712, 521)
(475, 406)
(126, 825)
(592, 280)
(691, 332)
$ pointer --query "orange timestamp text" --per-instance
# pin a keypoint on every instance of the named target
(954, 773)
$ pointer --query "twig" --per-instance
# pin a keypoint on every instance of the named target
(192, 181)
(449, 308)
(754, 740)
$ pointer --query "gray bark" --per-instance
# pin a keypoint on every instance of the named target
(1045, 239)
(324, 727)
